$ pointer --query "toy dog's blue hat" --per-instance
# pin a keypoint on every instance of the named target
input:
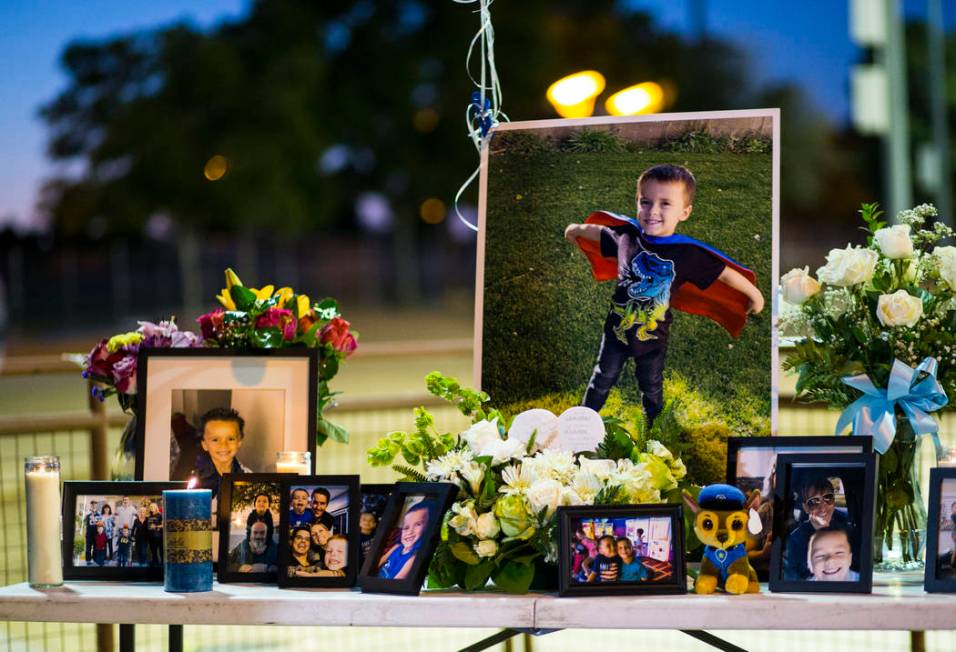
(721, 497)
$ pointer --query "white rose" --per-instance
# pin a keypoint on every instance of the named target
(848, 266)
(600, 469)
(946, 257)
(894, 241)
(899, 309)
(464, 521)
(487, 548)
(543, 494)
(486, 527)
(798, 285)
(480, 435)
(502, 450)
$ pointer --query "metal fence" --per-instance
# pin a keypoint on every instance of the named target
(77, 442)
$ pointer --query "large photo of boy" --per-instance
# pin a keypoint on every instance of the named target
(626, 265)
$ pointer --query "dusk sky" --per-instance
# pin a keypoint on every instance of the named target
(805, 42)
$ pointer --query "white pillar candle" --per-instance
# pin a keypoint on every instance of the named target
(43, 521)
(294, 462)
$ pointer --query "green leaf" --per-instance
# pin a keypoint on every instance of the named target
(464, 552)
(477, 576)
(327, 309)
(325, 429)
(267, 338)
(445, 571)
(513, 577)
(242, 297)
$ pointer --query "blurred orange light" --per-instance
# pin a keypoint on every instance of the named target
(574, 95)
(433, 211)
(425, 120)
(216, 168)
(635, 100)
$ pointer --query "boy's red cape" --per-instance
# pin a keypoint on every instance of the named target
(720, 302)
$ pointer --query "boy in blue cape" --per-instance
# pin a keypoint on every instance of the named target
(657, 270)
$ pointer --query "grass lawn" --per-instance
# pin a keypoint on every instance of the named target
(544, 312)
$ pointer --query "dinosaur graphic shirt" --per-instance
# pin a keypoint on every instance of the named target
(647, 273)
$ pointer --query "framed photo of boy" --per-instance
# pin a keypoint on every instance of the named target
(621, 549)
(940, 573)
(319, 530)
(208, 412)
(823, 523)
(374, 501)
(113, 530)
(249, 511)
(650, 239)
(406, 538)
(752, 464)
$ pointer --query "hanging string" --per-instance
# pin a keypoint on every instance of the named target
(484, 110)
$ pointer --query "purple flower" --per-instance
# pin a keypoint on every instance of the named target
(166, 335)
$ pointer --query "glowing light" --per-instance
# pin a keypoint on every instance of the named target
(425, 120)
(216, 167)
(574, 95)
(193, 483)
(635, 100)
(433, 211)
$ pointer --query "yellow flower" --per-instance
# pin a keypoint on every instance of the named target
(303, 305)
(225, 296)
(284, 295)
(117, 342)
(232, 279)
(264, 293)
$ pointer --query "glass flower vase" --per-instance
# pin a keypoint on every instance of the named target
(899, 531)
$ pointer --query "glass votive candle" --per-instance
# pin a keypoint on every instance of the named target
(187, 540)
(948, 460)
(43, 521)
(294, 462)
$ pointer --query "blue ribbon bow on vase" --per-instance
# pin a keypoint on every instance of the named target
(874, 413)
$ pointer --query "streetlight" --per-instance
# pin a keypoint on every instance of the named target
(647, 97)
(574, 95)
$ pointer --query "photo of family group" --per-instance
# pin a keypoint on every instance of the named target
(752, 464)
(946, 540)
(318, 531)
(249, 532)
(118, 531)
(825, 524)
(621, 550)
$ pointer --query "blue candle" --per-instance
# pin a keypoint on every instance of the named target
(187, 540)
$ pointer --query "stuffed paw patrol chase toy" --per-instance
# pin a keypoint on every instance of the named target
(722, 520)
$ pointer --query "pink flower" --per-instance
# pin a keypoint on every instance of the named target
(336, 333)
(100, 361)
(124, 375)
(279, 318)
(166, 334)
(211, 324)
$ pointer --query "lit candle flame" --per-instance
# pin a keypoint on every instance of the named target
(193, 483)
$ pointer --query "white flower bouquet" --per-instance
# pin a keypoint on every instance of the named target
(503, 520)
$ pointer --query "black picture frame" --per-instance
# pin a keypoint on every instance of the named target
(73, 490)
(377, 493)
(144, 444)
(442, 494)
(226, 496)
(932, 582)
(290, 483)
(863, 524)
(782, 445)
(566, 517)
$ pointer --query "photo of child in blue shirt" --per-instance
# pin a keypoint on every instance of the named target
(398, 560)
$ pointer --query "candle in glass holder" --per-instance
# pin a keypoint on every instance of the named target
(43, 521)
(294, 462)
(187, 540)
(948, 460)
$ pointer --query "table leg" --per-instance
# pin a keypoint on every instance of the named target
(127, 638)
(713, 641)
(175, 638)
(494, 639)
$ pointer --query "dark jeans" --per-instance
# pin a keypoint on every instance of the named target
(649, 371)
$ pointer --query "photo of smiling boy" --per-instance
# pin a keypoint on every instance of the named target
(830, 556)
(818, 499)
(397, 561)
(222, 435)
(652, 263)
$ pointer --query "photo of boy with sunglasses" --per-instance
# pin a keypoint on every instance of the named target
(818, 500)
